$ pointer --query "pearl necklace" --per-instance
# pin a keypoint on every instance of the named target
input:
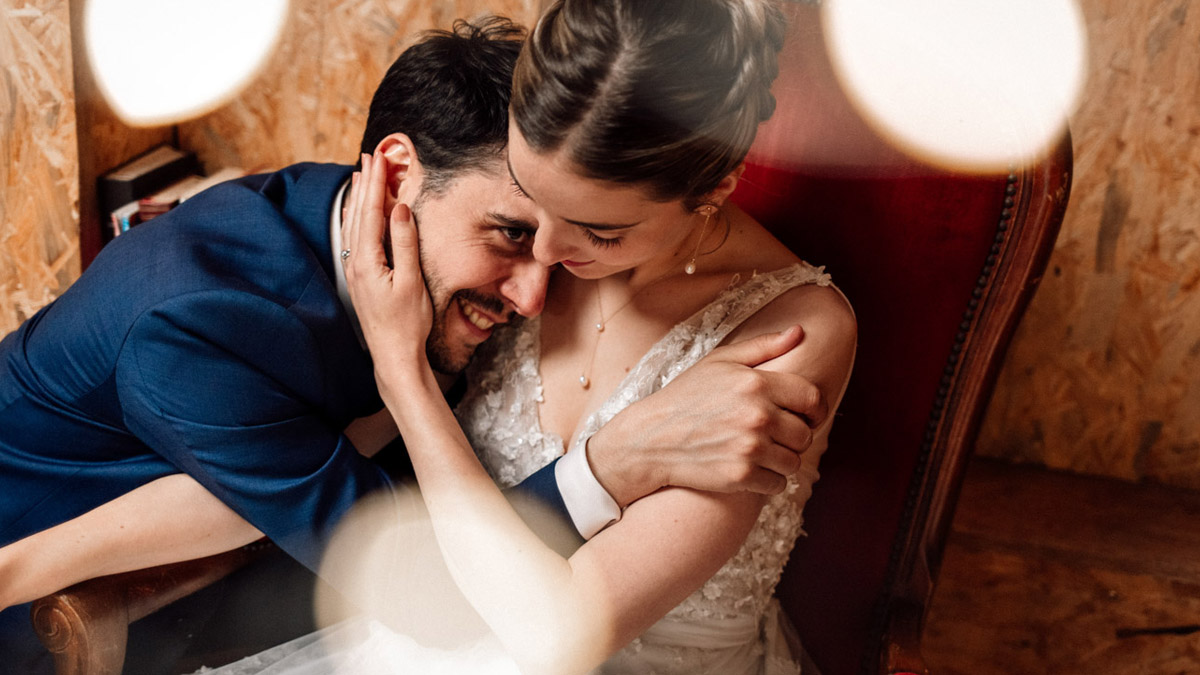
(585, 379)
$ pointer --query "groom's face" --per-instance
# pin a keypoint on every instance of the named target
(476, 240)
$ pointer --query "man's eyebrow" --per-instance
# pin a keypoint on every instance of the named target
(578, 223)
(509, 221)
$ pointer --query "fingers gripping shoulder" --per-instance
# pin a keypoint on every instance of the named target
(826, 351)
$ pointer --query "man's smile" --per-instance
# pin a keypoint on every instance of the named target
(476, 316)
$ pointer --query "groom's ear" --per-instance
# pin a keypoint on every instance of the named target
(402, 166)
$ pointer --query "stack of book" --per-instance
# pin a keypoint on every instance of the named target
(151, 184)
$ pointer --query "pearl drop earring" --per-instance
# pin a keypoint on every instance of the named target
(690, 268)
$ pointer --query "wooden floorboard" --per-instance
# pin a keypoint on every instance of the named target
(1048, 572)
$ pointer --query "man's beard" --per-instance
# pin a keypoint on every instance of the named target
(441, 357)
(436, 350)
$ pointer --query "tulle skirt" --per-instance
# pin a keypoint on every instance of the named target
(367, 647)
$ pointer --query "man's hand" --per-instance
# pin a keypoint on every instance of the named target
(721, 426)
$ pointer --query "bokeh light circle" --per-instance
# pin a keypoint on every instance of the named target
(971, 85)
(163, 61)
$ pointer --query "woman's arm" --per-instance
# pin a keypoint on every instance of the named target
(574, 612)
(167, 520)
(556, 614)
(553, 614)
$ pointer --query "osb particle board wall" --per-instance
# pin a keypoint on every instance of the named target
(39, 181)
(55, 136)
(1104, 373)
(311, 102)
(1100, 378)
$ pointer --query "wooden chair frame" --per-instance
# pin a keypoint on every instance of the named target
(1035, 202)
(86, 626)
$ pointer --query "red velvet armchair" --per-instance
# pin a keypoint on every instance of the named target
(939, 267)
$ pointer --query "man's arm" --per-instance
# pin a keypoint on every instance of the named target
(241, 411)
(142, 528)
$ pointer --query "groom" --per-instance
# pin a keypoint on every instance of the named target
(219, 340)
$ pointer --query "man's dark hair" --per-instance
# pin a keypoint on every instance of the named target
(449, 92)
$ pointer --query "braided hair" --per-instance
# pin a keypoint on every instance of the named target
(665, 94)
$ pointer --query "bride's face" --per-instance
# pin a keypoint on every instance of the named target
(593, 227)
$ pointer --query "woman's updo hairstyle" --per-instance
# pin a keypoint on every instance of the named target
(666, 94)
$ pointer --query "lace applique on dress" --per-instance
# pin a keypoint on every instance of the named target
(500, 416)
(499, 413)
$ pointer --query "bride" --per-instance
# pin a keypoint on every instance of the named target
(629, 124)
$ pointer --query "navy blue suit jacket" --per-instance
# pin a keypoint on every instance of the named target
(209, 341)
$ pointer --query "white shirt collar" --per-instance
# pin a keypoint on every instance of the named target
(339, 271)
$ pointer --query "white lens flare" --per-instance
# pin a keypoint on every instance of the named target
(397, 601)
(965, 84)
(385, 562)
(161, 62)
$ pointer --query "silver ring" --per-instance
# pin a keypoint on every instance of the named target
(345, 253)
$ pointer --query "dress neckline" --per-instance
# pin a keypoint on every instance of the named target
(534, 327)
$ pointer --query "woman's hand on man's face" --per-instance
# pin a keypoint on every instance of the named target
(385, 282)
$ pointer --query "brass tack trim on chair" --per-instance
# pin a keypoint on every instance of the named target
(879, 619)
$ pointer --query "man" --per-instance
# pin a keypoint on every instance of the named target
(218, 341)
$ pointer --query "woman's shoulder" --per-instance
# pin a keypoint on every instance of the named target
(800, 291)
(812, 300)
(826, 352)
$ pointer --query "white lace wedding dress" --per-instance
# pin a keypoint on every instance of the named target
(730, 626)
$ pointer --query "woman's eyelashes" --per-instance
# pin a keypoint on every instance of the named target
(601, 242)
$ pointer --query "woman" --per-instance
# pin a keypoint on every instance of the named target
(630, 121)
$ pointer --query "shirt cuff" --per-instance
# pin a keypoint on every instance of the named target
(590, 506)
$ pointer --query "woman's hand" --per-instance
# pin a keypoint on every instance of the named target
(389, 295)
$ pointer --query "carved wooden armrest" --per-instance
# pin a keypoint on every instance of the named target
(86, 626)
(901, 653)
